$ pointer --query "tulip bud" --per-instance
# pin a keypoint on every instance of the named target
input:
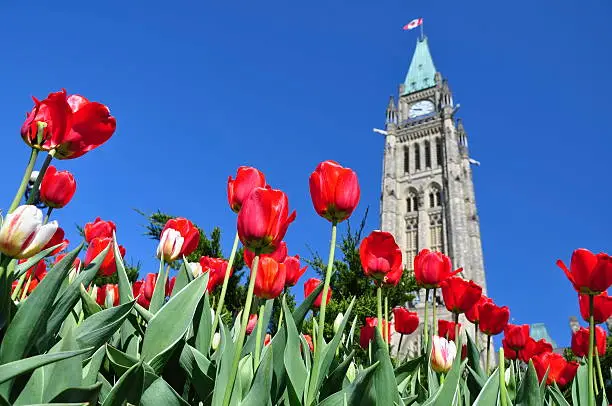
(443, 354)
(23, 233)
(334, 191)
(57, 188)
(99, 228)
(196, 269)
(337, 322)
(247, 179)
(380, 255)
(215, 341)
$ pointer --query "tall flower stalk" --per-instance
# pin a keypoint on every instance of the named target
(24, 181)
(591, 347)
(226, 277)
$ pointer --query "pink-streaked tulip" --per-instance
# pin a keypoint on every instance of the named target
(247, 179)
(334, 190)
(57, 188)
(443, 353)
(279, 254)
(589, 273)
(294, 272)
(57, 239)
(108, 295)
(380, 255)
(251, 324)
(432, 268)
(263, 220)
(310, 285)
(23, 233)
(96, 246)
(178, 237)
(270, 279)
(99, 228)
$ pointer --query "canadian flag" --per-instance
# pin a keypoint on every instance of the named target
(413, 24)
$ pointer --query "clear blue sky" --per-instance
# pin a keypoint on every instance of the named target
(199, 88)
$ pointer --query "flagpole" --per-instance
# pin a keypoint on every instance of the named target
(422, 35)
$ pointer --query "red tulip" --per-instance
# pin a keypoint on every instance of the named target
(334, 191)
(143, 289)
(589, 273)
(137, 291)
(446, 329)
(516, 336)
(57, 188)
(309, 342)
(170, 285)
(57, 239)
(493, 318)
(367, 331)
(37, 271)
(460, 294)
(310, 285)
(73, 125)
(393, 278)
(380, 255)
(96, 246)
(602, 307)
(108, 295)
(473, 315)
(267, 339)
(580, 341)
(406, 322)
(247, 179)
(178, 237)
(431, 268)
(294, 272)
(251, 324)
(559, 370)
(534, 348)
(270, 280)
(99, 228)
(263, 220)
(278, 255)
(509, 353)
(216, 268)
(76, 264)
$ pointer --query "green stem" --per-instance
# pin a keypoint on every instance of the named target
(475, 335)
(49, 210)
(25, 288)
(243, 325)
(434, 327)
(259, 335)
(599, 374)
(488, 354)
(19, 286)
(591, 345)
(399, 348)
(457, 330)
(24, 181)
(379, 308)
(312, 388)
(314, 332)
(41, 174)
(230, 263)
(425, 330)
(280, 317)
(502, 379)
(386, 330)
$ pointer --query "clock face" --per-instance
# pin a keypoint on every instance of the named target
(420, 108)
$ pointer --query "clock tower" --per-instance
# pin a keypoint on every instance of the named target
(428, 196)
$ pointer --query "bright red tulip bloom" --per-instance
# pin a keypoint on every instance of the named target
(310, 285)
(534, 348)
(559, 370)
(460, 294)
(393, 278)
(473, 315)
(96, 246)
(178, 237)
(431, 268)
(108, 295)
(334, 191)
(170, 285)
(279, 254)
(263, 220)
(367, 331)
(143, 289)
(57, 188)
(589, 273)
(516, 336)
(23, 234)
(380, 255)
(251, 324)
(509, 353)
(406, 322)
(267, 339)
(99, 228)
(580, 341)
(247, 179)
(57, 239)
(446, 329)
(308, 339)
(37, 271)
(493, 318)
(216, 268)
(138, 292)
(149, 285)
(294, 272)
(73, 125)
(602, 307)
(270, 280)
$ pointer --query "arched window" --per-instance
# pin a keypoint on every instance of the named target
(411, 203)
(406, 160)
(417, 157)
(439, 152)
(427, 154)
(432, 200)
(438, 198)
(411, 242)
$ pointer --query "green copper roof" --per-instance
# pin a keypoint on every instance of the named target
(422, 71)
(539, 331)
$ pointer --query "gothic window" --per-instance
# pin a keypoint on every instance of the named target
(406, 160)
(436, 242)
(432, 200)
(427, 154)
(417, 157)
(411, 203)
(438, 198)
(439, 151)
(411, 242)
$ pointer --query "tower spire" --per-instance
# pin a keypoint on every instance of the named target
(422, 71)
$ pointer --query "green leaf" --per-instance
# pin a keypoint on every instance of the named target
(557, 395)
(87, 394)
(445, 395)
(296, 370)
(490, 391)
(355, 393)
(16, 368)
(580, 386)
(262, 383)
(90, 371)
(203, 325)
(97, 329)
(32, 393)
(335, 380)
(32, 316)
(473, 356)
(226, 355)
(129, 338)
(159, 292)
(183, 277)
(170, 324)
(528, 393)
(299, 314)
(66, 373)
(129, 388)
(88, 304)
(20, 269)
(200, 370)
(384, 388)
(249, 345)
(160, 393)
(119, 361)
(144, 313)
(408, 368)
(511, 378)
